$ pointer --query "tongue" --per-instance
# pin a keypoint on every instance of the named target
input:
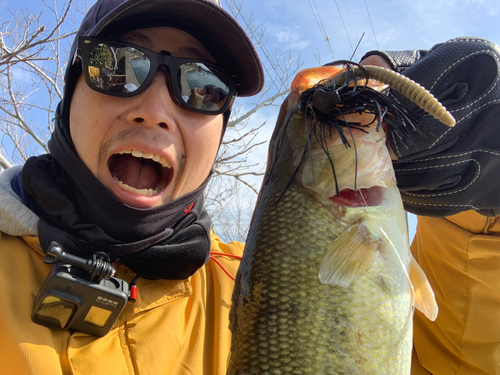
(134, 172)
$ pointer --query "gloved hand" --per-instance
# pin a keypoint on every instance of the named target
(440, 170)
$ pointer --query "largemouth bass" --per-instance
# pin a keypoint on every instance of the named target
(327, 283)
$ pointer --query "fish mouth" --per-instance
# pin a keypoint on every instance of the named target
(366, 197)
(140, 172)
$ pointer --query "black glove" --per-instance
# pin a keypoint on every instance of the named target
(442, 171)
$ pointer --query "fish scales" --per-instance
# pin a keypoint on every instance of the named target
(284, 321)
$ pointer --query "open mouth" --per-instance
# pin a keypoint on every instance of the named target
(140, 172)
(359, 198)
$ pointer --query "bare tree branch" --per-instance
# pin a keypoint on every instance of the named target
(30, 41)
(46, 77)
(4, 163)
(31, 78)
(265, 103)
(15, 104)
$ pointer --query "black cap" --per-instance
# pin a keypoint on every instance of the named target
(215, 28)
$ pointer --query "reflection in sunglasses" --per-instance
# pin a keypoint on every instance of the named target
(208, 96)
(196, 97)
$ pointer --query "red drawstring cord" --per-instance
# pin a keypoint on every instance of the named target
(225, 254)
(219, 263)
(133, 290)
(133, 287)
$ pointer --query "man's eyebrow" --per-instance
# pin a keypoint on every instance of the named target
(136, 37)
(193, 52)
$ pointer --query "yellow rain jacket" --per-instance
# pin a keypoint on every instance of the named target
(175, 327)
(460, 255)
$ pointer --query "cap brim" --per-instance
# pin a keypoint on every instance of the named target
(209, 20)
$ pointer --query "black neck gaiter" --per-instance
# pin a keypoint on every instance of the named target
(171, 241)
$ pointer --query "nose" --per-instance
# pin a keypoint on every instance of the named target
(154, 106)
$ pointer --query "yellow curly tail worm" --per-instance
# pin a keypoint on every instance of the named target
(410, 89)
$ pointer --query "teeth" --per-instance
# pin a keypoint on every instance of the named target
(146, 155)
(163, 161)
(144, 192)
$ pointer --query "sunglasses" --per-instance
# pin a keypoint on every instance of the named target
(124, 70)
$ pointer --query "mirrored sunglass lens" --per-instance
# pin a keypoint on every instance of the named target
(203, 87)
(117, 69)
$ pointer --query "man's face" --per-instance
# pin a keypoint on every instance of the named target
(146, 149)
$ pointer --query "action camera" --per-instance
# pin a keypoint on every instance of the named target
(79, 294)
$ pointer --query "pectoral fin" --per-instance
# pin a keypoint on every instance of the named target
(425, 301)
(349, 257)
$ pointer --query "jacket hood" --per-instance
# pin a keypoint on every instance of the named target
(15, 218)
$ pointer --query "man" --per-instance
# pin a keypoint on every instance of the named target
(130, 158)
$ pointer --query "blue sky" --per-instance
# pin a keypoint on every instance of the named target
(299, 28)
(397, 24)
